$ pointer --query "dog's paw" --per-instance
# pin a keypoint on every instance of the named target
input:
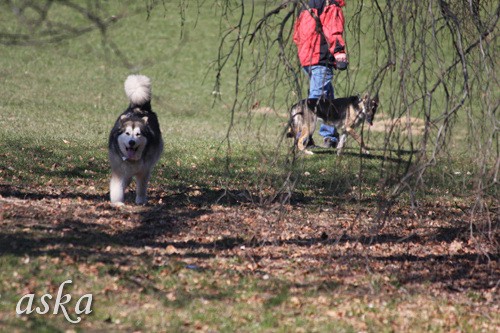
(117, 204)
(308, 152)
(366, 152)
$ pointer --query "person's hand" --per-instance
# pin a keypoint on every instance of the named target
(341, 61)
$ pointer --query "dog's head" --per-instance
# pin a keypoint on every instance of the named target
(132, 139)
(370, 106)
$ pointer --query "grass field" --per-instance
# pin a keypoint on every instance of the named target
(218, 249)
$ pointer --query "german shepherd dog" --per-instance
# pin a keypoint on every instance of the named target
(135, 142)
(344, 113)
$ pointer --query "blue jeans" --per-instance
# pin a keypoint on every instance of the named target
(327, 131)
(320, 85)
(320, 81)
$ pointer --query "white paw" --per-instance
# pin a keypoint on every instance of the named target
(118, 204)
(308, 152)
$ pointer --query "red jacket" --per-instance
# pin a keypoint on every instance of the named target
(315, 48)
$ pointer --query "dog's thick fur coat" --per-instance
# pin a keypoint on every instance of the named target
(344, 113)
(135, 142)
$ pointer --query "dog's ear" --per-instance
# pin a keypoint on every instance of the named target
(123, 118)
(145, 120)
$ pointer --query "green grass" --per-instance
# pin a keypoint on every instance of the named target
(67, 95)
(59, 102)
(191, 301)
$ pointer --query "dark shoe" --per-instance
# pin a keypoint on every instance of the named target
(329, 143)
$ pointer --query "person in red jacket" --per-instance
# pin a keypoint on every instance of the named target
(321, 48)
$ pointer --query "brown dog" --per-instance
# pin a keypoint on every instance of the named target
(344, 113)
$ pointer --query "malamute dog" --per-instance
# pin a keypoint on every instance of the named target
(343, 113)
(135, 142)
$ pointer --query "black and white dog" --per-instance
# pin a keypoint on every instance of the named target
(135, 142)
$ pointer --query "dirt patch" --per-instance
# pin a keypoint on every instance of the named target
(435, 247)
(263, 110)
(410, 125)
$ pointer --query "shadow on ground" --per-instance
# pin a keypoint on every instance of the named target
(186, 225)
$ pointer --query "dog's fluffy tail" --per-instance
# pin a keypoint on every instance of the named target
(138, 89)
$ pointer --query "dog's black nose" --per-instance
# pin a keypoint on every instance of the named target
(131, 143)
